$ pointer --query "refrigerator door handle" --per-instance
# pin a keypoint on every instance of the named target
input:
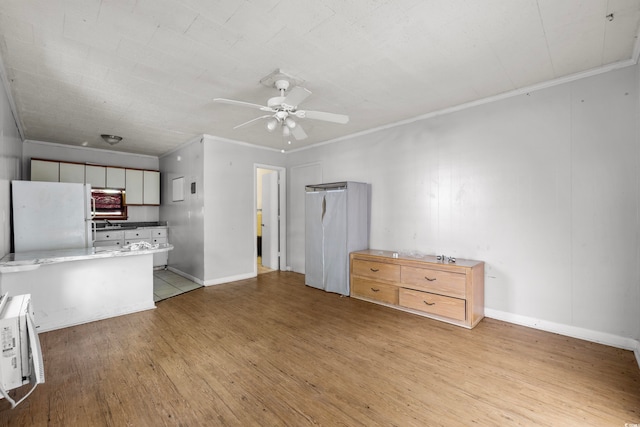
(93, 207)
(324, 207)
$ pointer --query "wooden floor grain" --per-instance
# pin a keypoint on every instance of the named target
(269, 351)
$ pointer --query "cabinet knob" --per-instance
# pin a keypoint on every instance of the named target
(375, 290)
(375, 270)
(429, 303)
(429, 279)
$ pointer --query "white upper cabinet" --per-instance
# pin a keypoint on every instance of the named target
(142, 187)
(45, 170)
(151, 188)
(116, 177)
(134, 187)
(95, 176)
(72, 172)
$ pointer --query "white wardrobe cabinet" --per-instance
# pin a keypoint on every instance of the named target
(336, 224)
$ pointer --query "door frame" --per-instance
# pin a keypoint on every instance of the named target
(270, 222)
(282, 208)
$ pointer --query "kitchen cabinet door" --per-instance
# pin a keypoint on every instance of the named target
(151, 188)
(109, 238)
(137, 235)
(95, 176)
(116, 177)
(45, 170)
(71, 172)
(133, 186)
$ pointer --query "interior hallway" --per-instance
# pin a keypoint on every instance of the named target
(261, 268)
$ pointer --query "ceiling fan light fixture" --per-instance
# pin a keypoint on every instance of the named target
(271, 125)
(282, 111)
(111, 139)
(290, 122)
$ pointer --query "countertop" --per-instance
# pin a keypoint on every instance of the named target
(418, 256)
(115, 226)
(25, 261)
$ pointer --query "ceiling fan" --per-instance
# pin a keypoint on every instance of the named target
(283, 108)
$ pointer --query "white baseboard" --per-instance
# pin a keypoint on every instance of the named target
(52, 326)
(185, 275)
(213, 281)
(568, 330)
(229, 279)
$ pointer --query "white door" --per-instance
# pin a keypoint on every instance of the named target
(270, 231)
(335, 256)
(49, 215)
(314, 211)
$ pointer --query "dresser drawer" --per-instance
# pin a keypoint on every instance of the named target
(376, 270)
(436, 281)
(158, 232)
(109, 235)
(102, 243)
(374, 290)
(137, 234)
(453, 308)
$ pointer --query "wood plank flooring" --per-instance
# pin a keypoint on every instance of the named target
(269, 352)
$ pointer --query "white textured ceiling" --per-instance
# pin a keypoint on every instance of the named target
(148, 70)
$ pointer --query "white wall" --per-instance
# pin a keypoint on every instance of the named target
(68, 153)
(185, 217)
(229, 197)
(299, 177)
(10, 154)
(543, 187)
(214, 230)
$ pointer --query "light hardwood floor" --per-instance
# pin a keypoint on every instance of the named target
(270, 351)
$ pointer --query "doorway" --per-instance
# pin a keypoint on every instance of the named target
(270, 204)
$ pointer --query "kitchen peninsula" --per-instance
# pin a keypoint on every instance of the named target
(73, 286)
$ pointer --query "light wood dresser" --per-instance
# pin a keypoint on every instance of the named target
(450, 292)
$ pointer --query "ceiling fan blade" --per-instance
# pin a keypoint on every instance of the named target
(321, 115)
(298, 133)
(296, 96)
(252, 120)
(243, 104)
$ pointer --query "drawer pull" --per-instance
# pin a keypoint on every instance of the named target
(429, 303)
(375, 270)
(375, 290)
(431, 280)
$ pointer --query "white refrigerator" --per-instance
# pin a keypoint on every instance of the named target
(51, 215)
(336, 224)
